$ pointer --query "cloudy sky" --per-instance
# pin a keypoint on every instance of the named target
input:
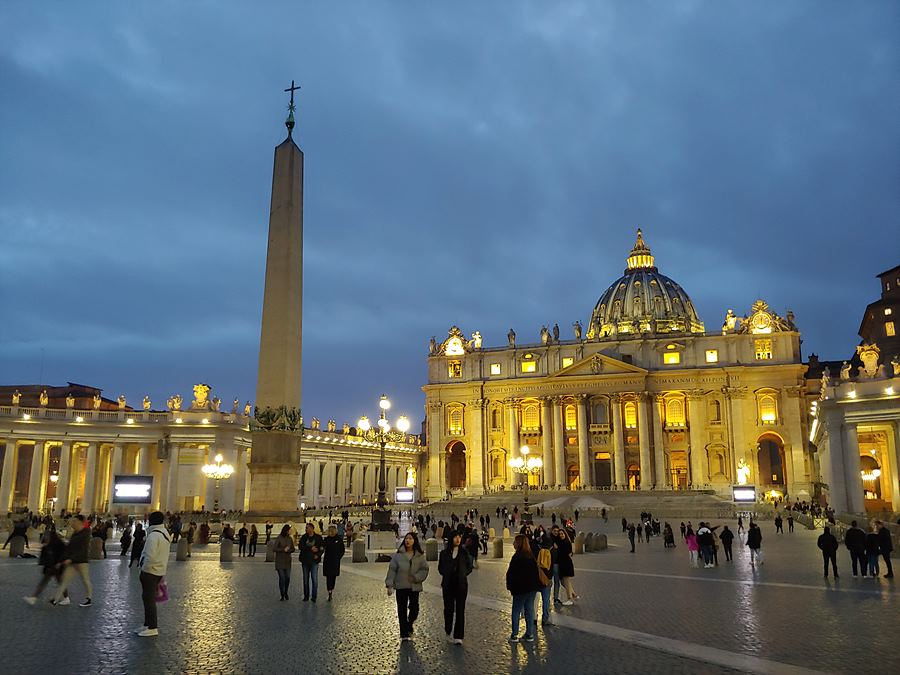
(471, 163)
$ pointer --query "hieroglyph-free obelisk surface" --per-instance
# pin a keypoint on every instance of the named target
(275, 455)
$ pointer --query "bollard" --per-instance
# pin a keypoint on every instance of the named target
(16, 546)
(431, 549)
(359, 551)
(506, 534)
(578, 545)
(226, 550)
(181, 550)
(589, 542)
(491, 533)
(270, 551)
(95, 552)
(600, 543)
(497, 548)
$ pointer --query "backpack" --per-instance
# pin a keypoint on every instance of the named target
(545, 562)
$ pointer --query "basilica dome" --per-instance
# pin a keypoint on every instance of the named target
(643, 301)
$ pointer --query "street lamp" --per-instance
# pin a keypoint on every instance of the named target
(217, 472)
(383, 434)
(526, 466)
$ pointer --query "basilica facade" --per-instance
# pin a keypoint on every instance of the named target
(643, 397)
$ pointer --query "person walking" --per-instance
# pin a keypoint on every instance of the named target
(828, 544)
(706, 542)
(885, 546)
(284, 547)
(790, 520)
(727, 537)
(754, 543)
(522, 582)
(189, 537)
(779, 525)
(406, 572)
(269, 527)
(631, 532)
(311, 545)
(242, 540)
(740, 527)
(873, 550)
(125, 540)
(254, 538)
(855, 541)
(455, 564)
(693, 547)
(566, 566)
(51, 555)
(75, 561)
(137, 544)
(333, 549)
(154, 561)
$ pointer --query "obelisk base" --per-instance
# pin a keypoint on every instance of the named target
(274, 476)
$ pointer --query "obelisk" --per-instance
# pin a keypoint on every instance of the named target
(275, 454)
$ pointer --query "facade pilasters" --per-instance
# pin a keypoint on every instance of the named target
(644, 441)
(36, 480)
(699, 462)
(435, 488)
(172, 479)
(115, 469)
(89, 501)
(512, 426)
(661, 475)
(559, 447)
(585, 476)
(8, 479)
(547, 440)
(855, 495)
(65, 476)
(475, 455)
(618, 433)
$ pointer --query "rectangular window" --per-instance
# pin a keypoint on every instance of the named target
(454, 368)
(529, 366)
(712, 355)
(888, 311)
(763, 349)
(671, 358)
(495, 369)
(889, 328)
(567, 361)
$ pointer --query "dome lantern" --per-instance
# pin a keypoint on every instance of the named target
(640, 257)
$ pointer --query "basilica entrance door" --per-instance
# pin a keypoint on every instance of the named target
(771, 460)
(456, 465)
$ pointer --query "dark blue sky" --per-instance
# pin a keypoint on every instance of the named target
(479, 164)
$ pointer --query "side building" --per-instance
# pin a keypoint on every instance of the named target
(645, 398)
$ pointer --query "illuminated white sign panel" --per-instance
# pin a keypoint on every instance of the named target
(744, 493)
(132, 489)
(405, 496)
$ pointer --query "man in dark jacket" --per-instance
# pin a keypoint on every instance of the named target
(886, 546)
(75, 561)
(727, 537)
(311, 545)
(828, 544)
(855, 541)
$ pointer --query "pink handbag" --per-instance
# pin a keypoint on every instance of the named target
(162, 591)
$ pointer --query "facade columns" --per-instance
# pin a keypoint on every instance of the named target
(435, 477)
(661, 476)
(240, 479)
(644, 440)
(699, 462)
(115, 469)
(893, 459)
(145, 468)
(90, 478)
(65, 472)
(228, 487)
(547, 440)
(618, 441)
(585, 476)
(36, 480)
(734, 397)
(475, 455)
(314, 487)
(855, 496)
(512, 426)
(7, 482)
(172, 480)
(559, 448)
(792, 414)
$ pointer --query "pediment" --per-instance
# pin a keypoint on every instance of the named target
(600, 364)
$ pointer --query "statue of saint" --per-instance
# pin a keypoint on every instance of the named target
(147, 403)
(216, 404)
(346, 429)
(545, 335)
(410, 476)
(845, 371)
(97, 401)
(556, 332)
(122, 401)
(511, 337)
(44, 399)
(432, 346)
(315, 423)
(476, 340)
(16, 397)
(730, 321)
(577, 327)
(895, 364)
(70, 401)
(201, 397)
(234, 406)
(247, 409)
(332, 425)
(743, 472)
(177, 401)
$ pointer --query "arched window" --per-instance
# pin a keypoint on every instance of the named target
(768, 409)
(600, 414)
(676, 305)
(658, 304)
(496, 418)
(715, 411)
(674, 412)
(616, 307)
(531, 417)
(630, 415)
(638, 306)
(571, 418)
(454, 419)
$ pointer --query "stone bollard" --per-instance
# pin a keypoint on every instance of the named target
(226, 550)
(506, 534)
(431, 549)
(95, 551)
(492, 533)
(589, 542)
(359, 551)
(497, 548)
(578, 544)
(270, 551)
(16, 547)
(600, 543)
(181, 550)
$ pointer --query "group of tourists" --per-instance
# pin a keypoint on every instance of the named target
(315, 550)
(866, 548)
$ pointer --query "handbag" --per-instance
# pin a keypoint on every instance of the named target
(543, 579)
(162, 591)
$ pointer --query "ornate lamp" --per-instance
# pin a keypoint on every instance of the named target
(526, 465)
(382, 434)
(217, 472)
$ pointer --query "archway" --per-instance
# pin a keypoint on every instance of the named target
(770, 459)
(602, 469)
(678, 471)
(456, 465)
(633, 476)
(572, 476)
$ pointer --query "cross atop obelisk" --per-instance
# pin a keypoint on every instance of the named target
(289, 122)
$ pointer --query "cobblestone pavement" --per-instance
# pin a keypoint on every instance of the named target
(639, 613)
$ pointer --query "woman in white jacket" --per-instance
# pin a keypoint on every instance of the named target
(154, 561)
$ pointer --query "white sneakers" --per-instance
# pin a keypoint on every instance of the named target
(30, 599)
(457, 641)
(567, 603)
(65, 601)
(148, 632)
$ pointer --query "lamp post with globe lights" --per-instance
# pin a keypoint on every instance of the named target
(526, 465)
(217, 472)
(382, 434)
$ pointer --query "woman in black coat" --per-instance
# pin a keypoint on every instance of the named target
(522, 583)
(565, 565)
(331, 564)
(454, 565)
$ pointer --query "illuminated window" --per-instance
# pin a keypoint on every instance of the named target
(888, 311)
(675, 412)
(712, 355)
(529, 366)
(531, 417)
(630, 415)
(496, 417)
(455, 419)
(768, 409)
(567, 361)
(763, 349)
(889, 328)
(671, 358)
(454, 368)
(571, 418)
(495, 369)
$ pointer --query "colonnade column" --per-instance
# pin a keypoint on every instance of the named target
(585, 475)
(145, 468)
(699, 474)
(559, 448)
(855, 496)
(172, 479)
(115, 468)
(661, 476)
(314, 487)
(90, 478)
(893, 469)
(65, 471)
(35, 482)
(644, 440)
(734, 397)
(475, 459)
(228, 488)
(547, 440)
(7, 482)
(618, 441)
(435, 477)
(240, 479)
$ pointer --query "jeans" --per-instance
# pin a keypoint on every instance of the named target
(149, 584)
(756, 556)
(727, 549)
(830, 557)
(455, 605)
(284, 581)
(545, 604)
(556, 582)
(886, 555)
(242, 546)
(873, 564)
(859, 562)
(407, 609)
(252, 547)
(310, 578)
(523, 602)
(707, 554)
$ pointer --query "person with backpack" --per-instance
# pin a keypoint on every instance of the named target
(545, 576)
(154, 562)
(454, 565)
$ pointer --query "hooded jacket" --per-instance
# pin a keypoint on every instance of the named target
(155, 556)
